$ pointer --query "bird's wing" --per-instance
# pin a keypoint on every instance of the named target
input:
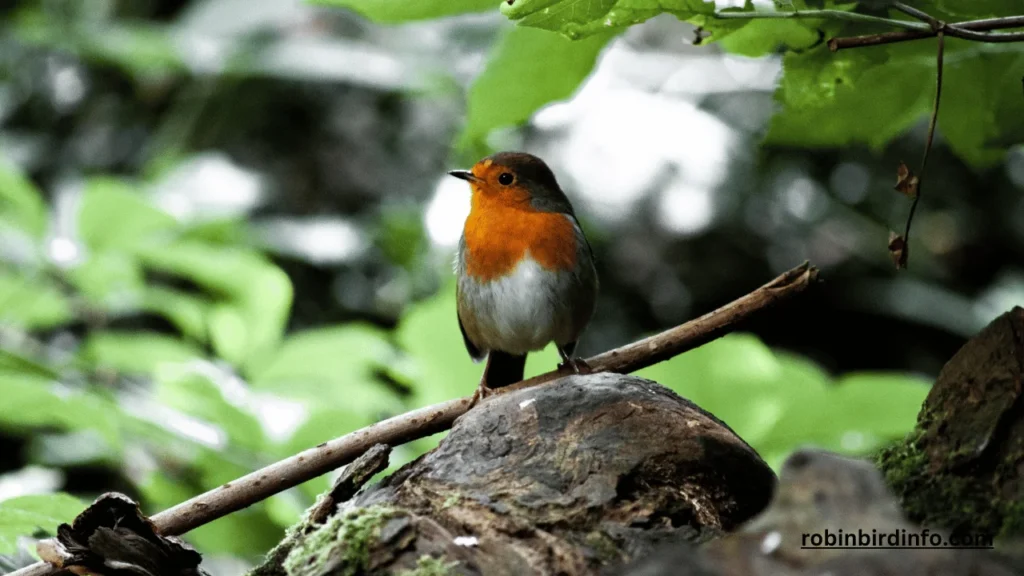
(474, 352)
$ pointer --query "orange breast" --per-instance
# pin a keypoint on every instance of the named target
(498, 236)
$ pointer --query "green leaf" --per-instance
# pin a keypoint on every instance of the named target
(402, 10)
(12, 361)
(21, 203)
(136, 352)
(32, 301)
(323, 424)
(336, 366)
(852, 96)
(982, 107)
(779, 402)
(855, 415)
(581, 18)
(258, 294)
(527, 69)
(141, 50)
(161, 490)
(193, 393)
(26, 515)
(115, 216)
(229, 333)
(111, 280)
(32, 402)
(736, 378)
(441, 369)
(871, 95)
(762, 37)
(186, 311)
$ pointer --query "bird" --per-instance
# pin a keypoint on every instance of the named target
(525, 270)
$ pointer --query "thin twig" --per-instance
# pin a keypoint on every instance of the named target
(423, 422)
(928, 143)
(820, 15)
(919, 14)
(954, 29)
(836, 44)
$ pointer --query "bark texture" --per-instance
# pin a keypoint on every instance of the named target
(574, 477)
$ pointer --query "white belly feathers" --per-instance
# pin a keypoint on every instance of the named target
(520, 312)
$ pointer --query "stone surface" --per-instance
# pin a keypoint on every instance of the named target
(819, 492)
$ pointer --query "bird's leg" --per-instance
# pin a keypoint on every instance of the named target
(482, 390)
(577, 365)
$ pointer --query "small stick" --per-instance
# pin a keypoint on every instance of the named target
(836, 44)
(928, 143)
(292, 471)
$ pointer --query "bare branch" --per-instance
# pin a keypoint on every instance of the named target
(927, 146)
(836, 44)
(820, 15)
(423, 422)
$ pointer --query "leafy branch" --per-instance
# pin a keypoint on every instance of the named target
(927, 26)
(423, 422)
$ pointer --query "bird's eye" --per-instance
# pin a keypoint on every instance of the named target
(505, 178)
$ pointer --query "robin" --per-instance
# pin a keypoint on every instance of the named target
(525, 270)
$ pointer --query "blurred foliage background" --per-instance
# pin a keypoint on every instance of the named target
(226, 234)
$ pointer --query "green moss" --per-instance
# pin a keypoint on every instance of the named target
(603, 546)
(347, 537)
(427, 565)
(451, 501)
(946, 500)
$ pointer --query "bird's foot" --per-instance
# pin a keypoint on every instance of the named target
(482, 391)
(577, 365)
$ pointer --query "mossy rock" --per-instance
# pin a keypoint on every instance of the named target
(962, 469)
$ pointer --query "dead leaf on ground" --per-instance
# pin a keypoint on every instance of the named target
(112, 537)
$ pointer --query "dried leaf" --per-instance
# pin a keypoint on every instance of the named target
(898, 250)
(112, 537)
(906, 180)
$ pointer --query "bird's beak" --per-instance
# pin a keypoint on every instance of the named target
(464, 175)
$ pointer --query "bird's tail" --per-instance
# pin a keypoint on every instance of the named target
(504, 369)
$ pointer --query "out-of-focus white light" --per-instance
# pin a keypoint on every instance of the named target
(685, 209)
(1006, 292)
(318, 240)
(29, 480)
(447, 212)
(1015, 166)
(850, 181)
(771, 542)
(208, 186)
(853, 440)
(621, 143)
(68, 87)
(804, 199)
(279, 417)
(63, 251)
